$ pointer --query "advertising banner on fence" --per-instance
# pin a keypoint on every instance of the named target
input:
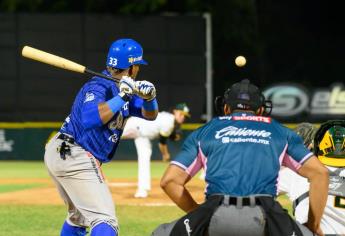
(292, 103)
(296, 103)
(23, 143)
(28, 144)
(6, 145)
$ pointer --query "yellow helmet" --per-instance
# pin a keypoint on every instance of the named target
(329, 143)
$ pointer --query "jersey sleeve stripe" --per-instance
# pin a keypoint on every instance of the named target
(197, 164)
(282, 155)
(291, 163)
(202, 157)
(178, 164)
(304, 159)
(194, 167)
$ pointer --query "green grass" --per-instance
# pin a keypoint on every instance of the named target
(140, 221)
(47, 220)
(127, 169)
(16, 187)
(22, 169)
(114, 169)
(286, 203)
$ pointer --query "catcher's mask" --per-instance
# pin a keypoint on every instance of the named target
(243, 96)
(329, 143)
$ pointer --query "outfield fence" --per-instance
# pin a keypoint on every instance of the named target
(26, 141)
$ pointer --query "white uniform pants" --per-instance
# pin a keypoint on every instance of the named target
(144, 151)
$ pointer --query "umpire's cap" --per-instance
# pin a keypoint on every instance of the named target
(244, 96)
(125, 52)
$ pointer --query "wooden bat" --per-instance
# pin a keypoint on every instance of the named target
(60, 62)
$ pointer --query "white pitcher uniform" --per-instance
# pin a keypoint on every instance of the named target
(143, 131)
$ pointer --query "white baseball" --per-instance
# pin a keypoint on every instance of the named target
(240, 61)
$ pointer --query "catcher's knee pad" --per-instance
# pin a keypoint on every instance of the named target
(69, 230)
(104, 229)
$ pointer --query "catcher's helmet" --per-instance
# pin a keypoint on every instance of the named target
(125, 52)
(243, 96)
(329, 143)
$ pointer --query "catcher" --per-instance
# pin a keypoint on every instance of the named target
(242, 151)
(328, 143)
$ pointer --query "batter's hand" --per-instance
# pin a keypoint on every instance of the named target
(145, 89)
(127, 85)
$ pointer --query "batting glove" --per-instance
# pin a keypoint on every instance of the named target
(145, 89)
(127, 85)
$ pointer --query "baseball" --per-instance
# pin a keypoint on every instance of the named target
(240, 61)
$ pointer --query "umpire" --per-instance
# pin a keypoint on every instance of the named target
(242, 151)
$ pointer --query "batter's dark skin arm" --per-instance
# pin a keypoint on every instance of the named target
(104, 112)
(173, 183)
(317, 175)
(149, 115)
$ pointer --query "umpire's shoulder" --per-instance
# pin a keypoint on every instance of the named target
(281, 127)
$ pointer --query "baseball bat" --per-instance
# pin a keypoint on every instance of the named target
(51, 59)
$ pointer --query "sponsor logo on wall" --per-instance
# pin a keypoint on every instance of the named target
(290, 100)
(5, 145)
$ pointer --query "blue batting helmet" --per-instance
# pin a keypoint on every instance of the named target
(125, 52)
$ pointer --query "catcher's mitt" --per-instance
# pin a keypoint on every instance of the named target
(307, 132)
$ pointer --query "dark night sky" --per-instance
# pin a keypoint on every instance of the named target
(284, 41)
(302, 41)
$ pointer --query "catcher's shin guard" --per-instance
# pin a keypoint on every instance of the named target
(69, 230)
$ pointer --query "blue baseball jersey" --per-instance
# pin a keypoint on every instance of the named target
(100, 141)
(241, 154)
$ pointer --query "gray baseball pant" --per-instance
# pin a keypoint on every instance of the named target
(81, 185)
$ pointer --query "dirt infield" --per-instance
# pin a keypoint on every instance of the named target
(122, 191)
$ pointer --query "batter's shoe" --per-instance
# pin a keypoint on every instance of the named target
(141, 193)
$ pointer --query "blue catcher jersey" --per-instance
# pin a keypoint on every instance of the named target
(101, 141)
(241, 154)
